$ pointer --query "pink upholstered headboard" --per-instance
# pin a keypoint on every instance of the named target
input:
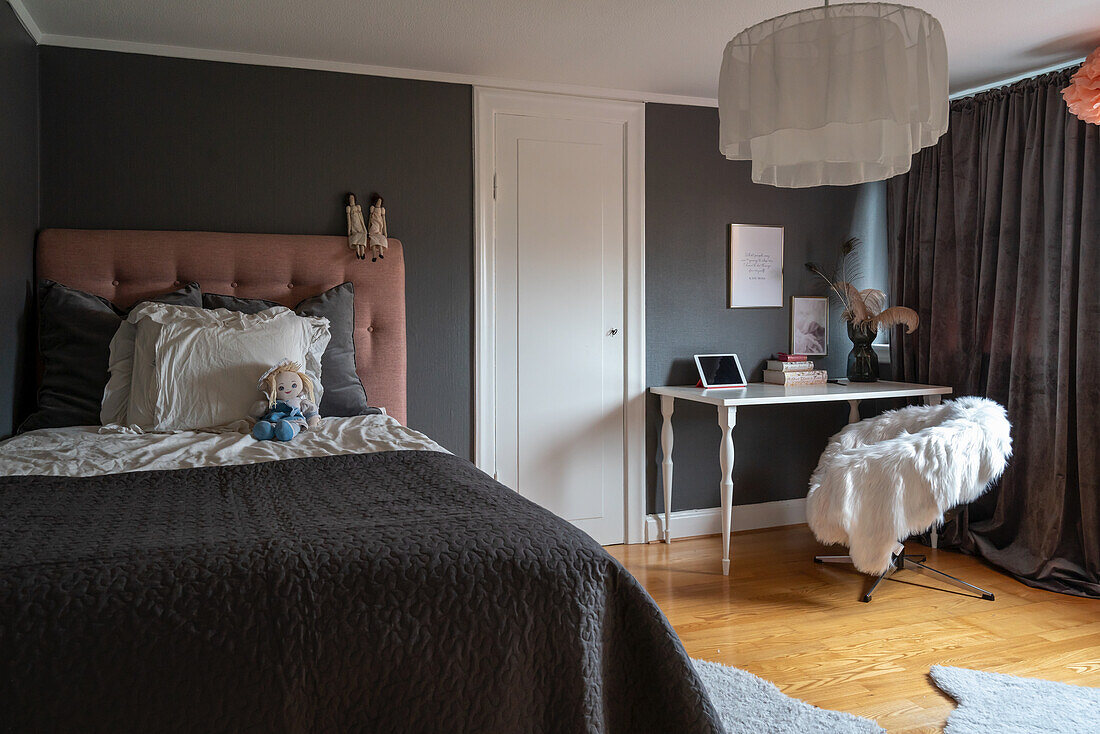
(125, 266)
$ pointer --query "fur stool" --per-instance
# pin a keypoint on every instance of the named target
(886, 478)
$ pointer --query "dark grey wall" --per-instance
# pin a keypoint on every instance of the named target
(18, 204)
(134, 141)
(692, 195)
(142, 142)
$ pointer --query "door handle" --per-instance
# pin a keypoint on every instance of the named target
(613, 332)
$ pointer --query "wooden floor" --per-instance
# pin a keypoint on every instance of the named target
(801, 625)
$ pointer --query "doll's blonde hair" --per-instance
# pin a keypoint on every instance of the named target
(270, 386)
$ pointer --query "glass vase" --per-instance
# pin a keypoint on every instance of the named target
(862, 360)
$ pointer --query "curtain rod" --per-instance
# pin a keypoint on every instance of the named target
(1013, 79)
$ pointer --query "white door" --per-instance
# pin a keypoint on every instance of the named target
(558, 266)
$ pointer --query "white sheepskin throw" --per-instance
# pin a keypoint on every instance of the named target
(885, 478)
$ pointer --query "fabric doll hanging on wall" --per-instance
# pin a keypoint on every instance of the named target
(357, 228)
(376, 229)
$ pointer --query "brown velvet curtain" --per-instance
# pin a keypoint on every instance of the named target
(995, 240)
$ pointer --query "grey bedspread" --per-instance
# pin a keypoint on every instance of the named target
(392, 592)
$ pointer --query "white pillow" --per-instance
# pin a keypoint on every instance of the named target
(184, 367)
(116, 395)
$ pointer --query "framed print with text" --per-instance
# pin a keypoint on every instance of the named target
(756, 266)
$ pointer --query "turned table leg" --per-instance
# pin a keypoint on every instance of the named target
(727, 418)
(667, 402)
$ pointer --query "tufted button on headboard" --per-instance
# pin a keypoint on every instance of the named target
(125, 266)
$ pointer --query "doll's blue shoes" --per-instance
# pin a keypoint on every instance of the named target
(280, 431)
(263, 431)
(285, 430)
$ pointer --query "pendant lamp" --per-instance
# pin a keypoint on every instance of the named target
(833, 95)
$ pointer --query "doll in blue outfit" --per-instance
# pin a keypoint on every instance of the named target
(290, 406)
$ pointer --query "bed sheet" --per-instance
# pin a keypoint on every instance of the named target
(87, 451)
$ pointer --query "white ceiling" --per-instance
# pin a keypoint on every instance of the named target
(653, 47)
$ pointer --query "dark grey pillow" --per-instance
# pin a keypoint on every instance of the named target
(344, 394)
(74, 338)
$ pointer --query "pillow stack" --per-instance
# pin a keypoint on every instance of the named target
(74, 336)
(344, 394)
(186, 360)
(177, 368)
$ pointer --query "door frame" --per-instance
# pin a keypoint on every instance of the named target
(488, 103)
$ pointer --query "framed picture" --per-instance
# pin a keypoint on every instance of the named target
(810, 325)
(756, 266)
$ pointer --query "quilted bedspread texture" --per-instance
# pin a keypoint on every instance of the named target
(403, 591)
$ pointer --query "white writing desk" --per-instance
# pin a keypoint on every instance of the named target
(758, 393)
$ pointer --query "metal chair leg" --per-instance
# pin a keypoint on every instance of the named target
(832, 559)
(902, 561)
(885, 574)
(910, 563)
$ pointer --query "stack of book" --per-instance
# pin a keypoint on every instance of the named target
(793, 369)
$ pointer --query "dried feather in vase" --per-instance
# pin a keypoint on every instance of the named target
(864, 309)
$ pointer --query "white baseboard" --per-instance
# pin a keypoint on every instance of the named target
(689, 523)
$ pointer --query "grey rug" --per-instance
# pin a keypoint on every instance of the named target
(994, 703)
(747, 703)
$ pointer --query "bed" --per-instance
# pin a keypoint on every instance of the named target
(360, 579)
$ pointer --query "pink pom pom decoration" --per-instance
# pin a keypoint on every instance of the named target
(1083, 93)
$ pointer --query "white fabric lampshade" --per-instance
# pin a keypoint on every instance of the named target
(834, 95)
